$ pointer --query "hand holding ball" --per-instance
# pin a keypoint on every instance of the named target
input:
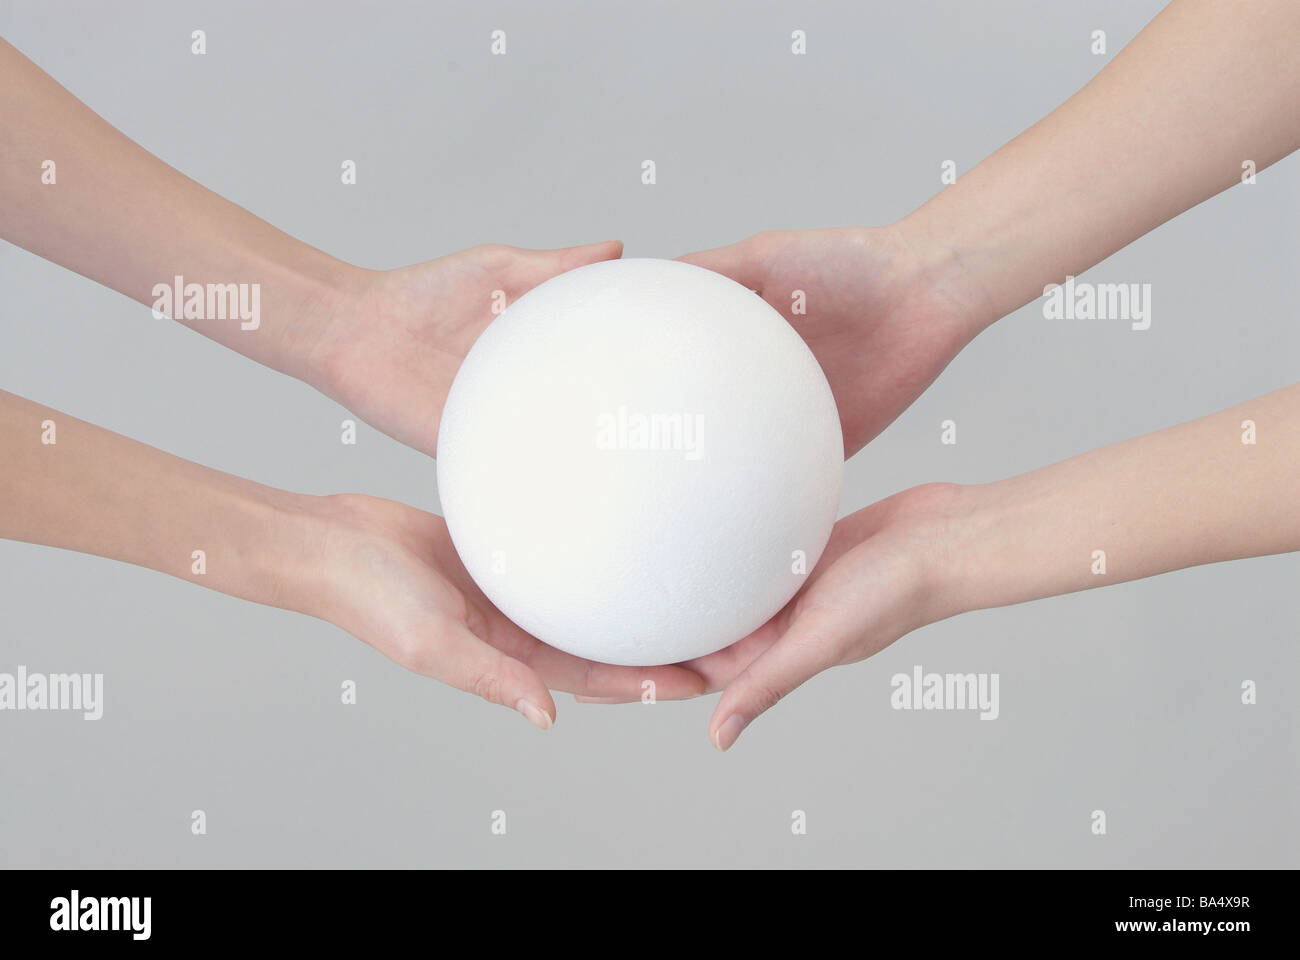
(638, 462)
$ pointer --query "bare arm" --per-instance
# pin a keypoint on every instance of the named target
(1191, 494)
(383, 571)
(120, 216)
(1206, 86)
(66, 483)
(384, 343)
(1188, 495)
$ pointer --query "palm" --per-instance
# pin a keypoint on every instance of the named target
(850, 536)
(860, 593)
(880, 333)
(392, 349)
(404, 591)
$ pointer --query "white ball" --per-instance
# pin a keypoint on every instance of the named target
(634, 458)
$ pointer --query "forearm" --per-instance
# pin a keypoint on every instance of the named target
(120, 216)
(97, 492)
(1206, 86)
(1188, 495)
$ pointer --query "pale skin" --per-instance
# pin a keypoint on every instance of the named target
(385, 572)
(1189, 495)
(889, 308)
(384, 343)
(1166, 124)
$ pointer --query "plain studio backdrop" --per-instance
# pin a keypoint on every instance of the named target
(1125, 699)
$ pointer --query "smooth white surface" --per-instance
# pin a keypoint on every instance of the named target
(581, 532)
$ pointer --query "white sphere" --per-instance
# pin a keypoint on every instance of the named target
(634, 457)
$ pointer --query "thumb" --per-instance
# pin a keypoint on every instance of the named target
(804, 650)
(539, 265)
(743, 262)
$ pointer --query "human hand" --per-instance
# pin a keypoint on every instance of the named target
(383, 571)
(940, 549)
(392, 340)
(885, 313)
(876, 581)
(389, 575)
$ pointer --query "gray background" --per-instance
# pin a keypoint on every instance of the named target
(1125, 699)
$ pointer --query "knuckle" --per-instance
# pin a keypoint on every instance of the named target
(765, 696)
(488, 686)
(493, 254)
(411, 654)
(589, 677)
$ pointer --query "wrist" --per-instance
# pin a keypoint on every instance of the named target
(283, 538)
(952, 273)
(959, 532)
(954, 582)
(313, 298)
(326, 546)
(1000, 547)
(929, 528)
(254, 289)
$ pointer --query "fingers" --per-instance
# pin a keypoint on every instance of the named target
(743, 262)
(677, 689)
(458, 658)
(570, 258)
(803, 652)
(535, 266)
(586, 678)
(713, 671)
(720, 668)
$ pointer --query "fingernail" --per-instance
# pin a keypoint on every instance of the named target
(534, 714)
(729, 731)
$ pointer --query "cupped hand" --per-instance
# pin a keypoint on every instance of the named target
(878, 579)
(883, 312)
(394, 339)
(391, 577)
